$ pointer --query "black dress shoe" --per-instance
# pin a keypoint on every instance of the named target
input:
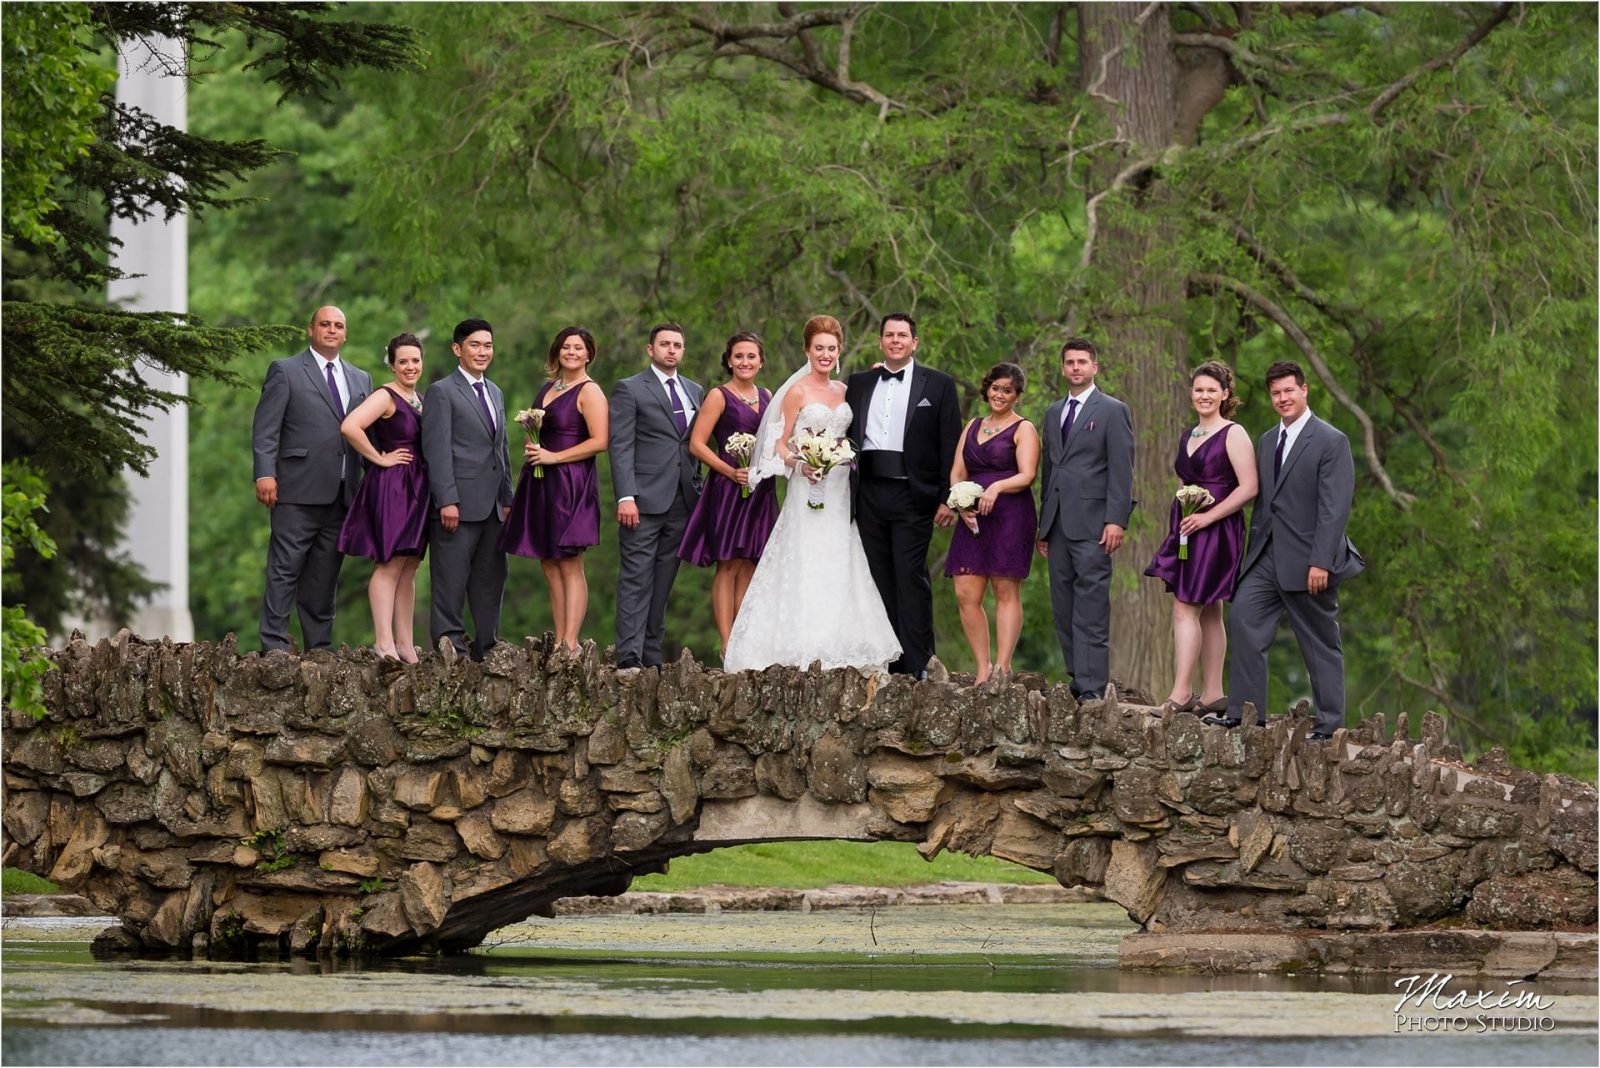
(1219, 721)
(1318, 736)
(1090, 695)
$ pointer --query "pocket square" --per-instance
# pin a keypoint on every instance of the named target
(924, 403)
(1090, 426)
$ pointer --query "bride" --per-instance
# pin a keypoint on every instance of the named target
(811, 597)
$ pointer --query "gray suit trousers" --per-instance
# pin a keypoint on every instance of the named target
(466, 567)
(1080, 600)
(303, 561)
(1258, 605)
(648, 565)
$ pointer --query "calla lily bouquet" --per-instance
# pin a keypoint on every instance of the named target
(531, 420)
(739, 446)
(963, 498)
(823, 452)
(1191, 499)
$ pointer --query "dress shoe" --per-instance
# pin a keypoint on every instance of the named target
(1090, 695)
(1318, 736)
(1219, 721)
(1170, 707)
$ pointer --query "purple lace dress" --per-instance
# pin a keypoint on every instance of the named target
(389, 515)
(1003, 546)
(1212, 569)
(724, 525)
(558, 516)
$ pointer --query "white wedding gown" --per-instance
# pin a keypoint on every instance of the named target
(812, 596)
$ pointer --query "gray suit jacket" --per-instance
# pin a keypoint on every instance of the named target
(1304, 510)
(295, 434)
(650, 459)
(1088, 482)
(467, 464)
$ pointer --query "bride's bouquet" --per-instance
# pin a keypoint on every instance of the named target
(963, 498)
(823, 452)
(739, 446)
(531, 420)
(1191, 499)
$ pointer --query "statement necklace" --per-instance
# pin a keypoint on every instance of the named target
(415, 400)
(991, 431)
(1197, 433)
(562, 386)
(751, 401)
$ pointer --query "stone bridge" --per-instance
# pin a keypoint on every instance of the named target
(277, 804)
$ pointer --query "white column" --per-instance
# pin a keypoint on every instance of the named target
(156, 252)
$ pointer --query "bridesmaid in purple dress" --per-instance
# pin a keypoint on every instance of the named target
(993, 543)
(1217, 455)
(556, 516)
(388, 518)
(727, 529)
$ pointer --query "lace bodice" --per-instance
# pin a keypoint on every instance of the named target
(818, 416)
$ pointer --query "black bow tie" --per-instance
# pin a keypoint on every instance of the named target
(884, 374)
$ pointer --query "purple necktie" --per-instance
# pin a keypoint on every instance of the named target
(483, 400)
(1277, 457)
(677, 406)
(333, 391)
(1072, 413)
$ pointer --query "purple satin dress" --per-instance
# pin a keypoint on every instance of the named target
(558, 516)
(389, 515)
(1211, 572)
(724, 525)
(1003, 546)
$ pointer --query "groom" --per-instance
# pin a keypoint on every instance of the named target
(904, 424)
(657, 482)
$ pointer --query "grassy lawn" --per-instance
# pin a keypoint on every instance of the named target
(806, 865)
(17, 881)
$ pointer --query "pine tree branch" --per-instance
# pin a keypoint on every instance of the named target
(1389, 95)
(1286, 322)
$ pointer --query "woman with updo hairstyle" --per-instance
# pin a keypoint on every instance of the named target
(1217, 456)
(992, 545)
(388, 518)
(812, 597)
(555, 514)
(731, 521)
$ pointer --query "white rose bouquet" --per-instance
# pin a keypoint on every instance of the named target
(963, 498)
(1191, 499)
(739, 446)
(823, 452)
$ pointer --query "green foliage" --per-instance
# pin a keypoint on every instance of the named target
(20, 638)
(375, 885)
(807, 865)
(17, 881)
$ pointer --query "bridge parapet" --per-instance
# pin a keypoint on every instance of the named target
(229, 804)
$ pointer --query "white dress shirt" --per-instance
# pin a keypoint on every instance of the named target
(683, 394)
(488, 401)
(886, 413)
(1082, 399)
(1292, 432)
(338, 378)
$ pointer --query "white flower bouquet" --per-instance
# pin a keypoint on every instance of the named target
(531, 420)
(963, 498)
(739, 446)
(1191, 499)
(823, 452)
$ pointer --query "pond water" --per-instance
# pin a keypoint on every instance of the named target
(923, 985)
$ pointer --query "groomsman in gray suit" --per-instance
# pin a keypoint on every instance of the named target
(656, 482)
(1087, 498)
(464, 444)
(306, 474)
(1298, 555)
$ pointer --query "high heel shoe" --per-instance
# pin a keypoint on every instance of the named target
(1170, 707)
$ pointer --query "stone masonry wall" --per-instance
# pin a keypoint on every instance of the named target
(324, 804)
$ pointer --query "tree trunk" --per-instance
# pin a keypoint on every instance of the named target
(1128, 67)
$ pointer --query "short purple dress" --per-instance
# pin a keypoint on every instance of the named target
(1212, 570)
(389, 515)
(1003, 546)
(724, 525)
(556, 517)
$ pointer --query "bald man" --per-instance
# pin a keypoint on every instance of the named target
(306, 474)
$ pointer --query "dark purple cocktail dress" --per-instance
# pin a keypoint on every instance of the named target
(724, 525)
(558, 516)
(1003, 546)
(389, 515)
(1212, 569)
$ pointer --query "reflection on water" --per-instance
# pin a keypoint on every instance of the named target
(925, 985)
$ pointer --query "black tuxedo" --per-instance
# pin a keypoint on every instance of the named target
(894, 497)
